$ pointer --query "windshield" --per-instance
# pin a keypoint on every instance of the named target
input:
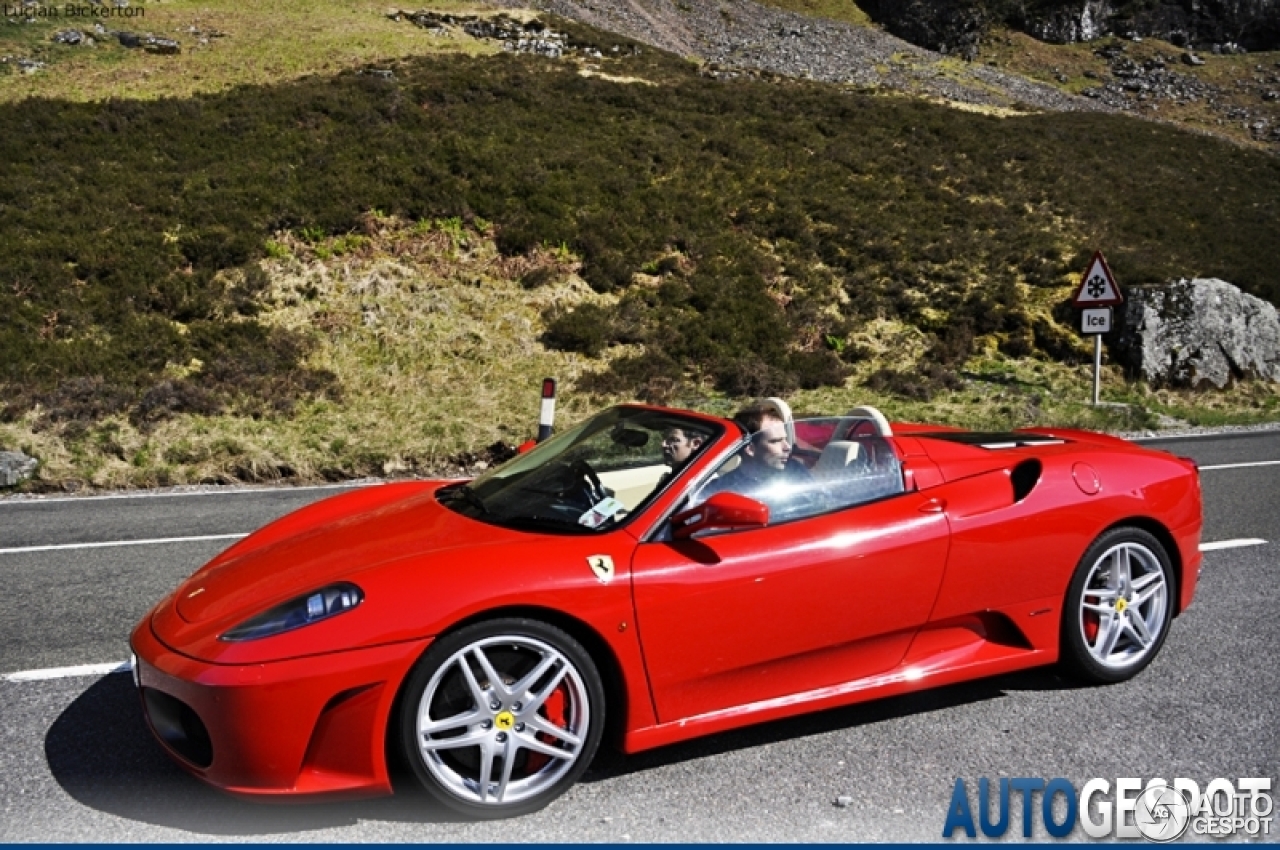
(589, 478)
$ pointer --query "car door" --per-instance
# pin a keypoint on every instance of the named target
(733, 618)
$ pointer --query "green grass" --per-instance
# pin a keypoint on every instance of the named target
(259, 45)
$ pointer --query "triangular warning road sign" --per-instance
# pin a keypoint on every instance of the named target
(1097, 288)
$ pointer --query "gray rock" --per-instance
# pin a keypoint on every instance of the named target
(162, 46)
(1190, 333)
(16, 467)
(71, 37)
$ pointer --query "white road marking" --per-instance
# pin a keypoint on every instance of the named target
(68, 672)
(1231, 544)
(1228, 431)
(106, 543)
(1242, 465)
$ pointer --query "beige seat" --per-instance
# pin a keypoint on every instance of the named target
(836, 458)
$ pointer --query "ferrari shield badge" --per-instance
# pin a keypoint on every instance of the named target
(602, 566)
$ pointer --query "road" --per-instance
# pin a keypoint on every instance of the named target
(77, 764)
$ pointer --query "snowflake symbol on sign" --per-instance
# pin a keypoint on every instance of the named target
(1097, 286)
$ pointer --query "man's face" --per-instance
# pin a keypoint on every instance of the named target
(677, 446)
(770, 448)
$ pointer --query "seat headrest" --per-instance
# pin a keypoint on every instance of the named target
(783, 410)
(874, 416)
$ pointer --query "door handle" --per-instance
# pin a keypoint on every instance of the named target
(934, 506)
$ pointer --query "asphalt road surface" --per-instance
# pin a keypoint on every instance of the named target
(77, 764)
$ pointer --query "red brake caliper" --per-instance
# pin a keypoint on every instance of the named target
(553, 710)
(1091, 622)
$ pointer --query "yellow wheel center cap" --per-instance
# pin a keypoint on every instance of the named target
(504, 721)
(1121, 604)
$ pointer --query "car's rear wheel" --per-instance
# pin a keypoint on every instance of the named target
(501, 717)
(1118, 606)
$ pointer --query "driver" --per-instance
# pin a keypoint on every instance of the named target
(678, 445)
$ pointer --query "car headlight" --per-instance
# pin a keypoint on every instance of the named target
(318, 605)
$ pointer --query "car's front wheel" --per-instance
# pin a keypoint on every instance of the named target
(501, 717)
(1118, 606)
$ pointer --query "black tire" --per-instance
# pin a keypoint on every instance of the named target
(1118, 607)
(534, 732)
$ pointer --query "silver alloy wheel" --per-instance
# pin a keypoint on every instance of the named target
(502, 720)
(1123, 606)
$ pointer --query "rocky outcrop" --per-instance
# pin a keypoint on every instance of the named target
(960, 24)
(1192, 333)
(16, 467)
(736, 37)
(1163, 79)
(1068, 23)
(532, 36)
(1254, 24)
(948, 26)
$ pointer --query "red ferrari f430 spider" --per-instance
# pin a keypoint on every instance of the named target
(603, 586)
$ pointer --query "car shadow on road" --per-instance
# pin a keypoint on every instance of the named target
(610, 763)
(101, 753)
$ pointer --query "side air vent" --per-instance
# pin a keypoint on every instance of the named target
(1025, 476)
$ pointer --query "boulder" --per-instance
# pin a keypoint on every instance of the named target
(16, 467)
(1193, 333)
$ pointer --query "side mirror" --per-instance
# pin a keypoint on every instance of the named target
(723, 510)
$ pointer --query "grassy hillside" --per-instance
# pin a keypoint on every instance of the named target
(223, 43)
(353, 273)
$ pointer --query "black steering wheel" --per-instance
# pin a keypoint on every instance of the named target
(586, 482)
(574, 484)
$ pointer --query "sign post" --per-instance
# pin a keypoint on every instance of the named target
(547, 412)
(1095, 296)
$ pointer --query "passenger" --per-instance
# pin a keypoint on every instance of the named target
(763, 472)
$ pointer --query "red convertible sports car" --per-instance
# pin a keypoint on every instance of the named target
(490, 633)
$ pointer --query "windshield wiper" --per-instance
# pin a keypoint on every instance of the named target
(543, 523)
(469, 496)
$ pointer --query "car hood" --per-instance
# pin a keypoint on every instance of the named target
(420, 566)
(333, 540)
